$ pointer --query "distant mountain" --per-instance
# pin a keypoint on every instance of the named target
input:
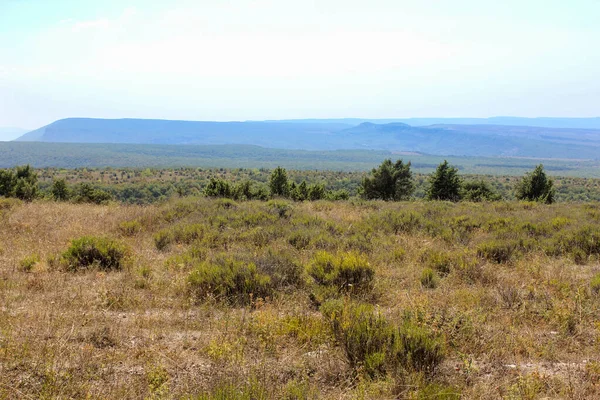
(438, 139)
(7, 133)
(573, 123)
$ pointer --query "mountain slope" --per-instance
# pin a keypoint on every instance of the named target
(442, 139)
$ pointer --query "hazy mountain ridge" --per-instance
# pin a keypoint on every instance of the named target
(439, 139)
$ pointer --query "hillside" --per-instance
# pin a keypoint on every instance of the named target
(79, 155)
(441, 139)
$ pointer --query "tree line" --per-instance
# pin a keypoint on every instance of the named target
(391, 181)
(394, 181)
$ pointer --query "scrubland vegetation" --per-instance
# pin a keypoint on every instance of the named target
(212, 298)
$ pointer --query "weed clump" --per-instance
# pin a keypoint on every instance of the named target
(94, 252)
(347, 272)
(27, 263)
(130, 228)
(429, 279)
(229, 280)
(497, 251)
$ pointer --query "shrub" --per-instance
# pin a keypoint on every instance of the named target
(86, 193)
(429, 279)
(281, 208)
(253, 390)
(367, 338)
(94, 252)
(347, 272)
(229, 280)
(420, 350)
(130, 228)
(27, 263)
(595, 284)
(300, 240)
(162, 239)
(282, 268)
(497, 251)
(373, 344)
(478, 191)
(438, 261)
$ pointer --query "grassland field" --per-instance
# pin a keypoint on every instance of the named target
(214, 299)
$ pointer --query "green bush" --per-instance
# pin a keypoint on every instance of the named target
(163, 239)
(299, 239)
(94, 252)
(438, 261)
(27, 263)
(229, 280)
(130, 228)
(419, 349)
(497, 251)
(374, 345)
(429, 279)
(347, 272)
(367, 338)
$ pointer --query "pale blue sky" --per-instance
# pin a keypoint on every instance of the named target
(261, 59)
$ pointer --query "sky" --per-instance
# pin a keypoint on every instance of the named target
(280, 59)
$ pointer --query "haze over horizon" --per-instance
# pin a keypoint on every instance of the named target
(262, 60)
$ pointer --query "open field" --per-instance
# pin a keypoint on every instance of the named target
(73, 155)
(327, 300)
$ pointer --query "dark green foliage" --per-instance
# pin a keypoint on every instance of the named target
(60, 190)
(444, 184)
(20, 183)
(278, 182)
(229, 280)
(391, 181)
(478, 191)
(536, 186)
(86, 193)
(347, 272)
(94, 252)
(218, 188)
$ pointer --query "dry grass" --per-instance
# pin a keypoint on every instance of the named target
(527, 328)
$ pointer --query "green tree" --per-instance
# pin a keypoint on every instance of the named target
(391, 181)
(478, 191)
(60, 191)
(7, 182)
(536, 186)
(278, 182)
(444, 184)
(26, 183)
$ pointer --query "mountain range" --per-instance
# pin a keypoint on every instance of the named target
(567, 138)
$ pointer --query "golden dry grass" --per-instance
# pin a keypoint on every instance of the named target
(527, 328)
